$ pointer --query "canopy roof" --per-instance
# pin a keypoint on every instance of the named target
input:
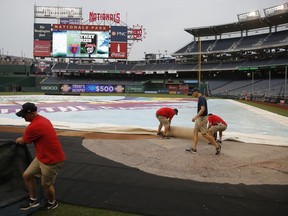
(263, 22)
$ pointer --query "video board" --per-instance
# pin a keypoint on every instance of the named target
(105, 35)
(88, 41)
(81, 44)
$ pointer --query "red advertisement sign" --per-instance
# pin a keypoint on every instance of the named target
(76, 27)
(137, 33)
(172, 87)
(118, 50)
(42, 48)
(104, 17)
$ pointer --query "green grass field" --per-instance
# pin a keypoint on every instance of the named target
(269, 107)
(74, 210)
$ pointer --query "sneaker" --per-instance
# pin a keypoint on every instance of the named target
(29, 204)
(219, 142)
(166, 137)
(48, 205)
(159, 134)
(218, 150)
(191, 150)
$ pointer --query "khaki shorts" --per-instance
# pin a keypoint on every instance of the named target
(201, 125)
(47, 172)
(218, 127)
(163, 120)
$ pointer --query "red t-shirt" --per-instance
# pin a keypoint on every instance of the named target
(167, 112)
(214, 120)
(47, 145)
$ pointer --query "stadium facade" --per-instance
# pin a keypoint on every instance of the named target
(245, 59)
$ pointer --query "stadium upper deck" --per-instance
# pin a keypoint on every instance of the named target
(263, 22)
(269, 32)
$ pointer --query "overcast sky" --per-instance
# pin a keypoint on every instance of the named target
(164, 20)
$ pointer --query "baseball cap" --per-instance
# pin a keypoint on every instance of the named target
(27, 108)
(195, 89)
(176, 111)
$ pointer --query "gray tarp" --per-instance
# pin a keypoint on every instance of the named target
(14, 159)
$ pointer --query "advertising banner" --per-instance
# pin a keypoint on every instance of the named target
(172, 87)
(118, 50)
(76, 27)
(42, 67)
(106, 17)
(119, 33)
(78, 88)
(56, 12)
(136, 33)
(134, 89)
(105, 88)
(49, 88)
(42, 48)
(42, 31)
(70, 21)
(93, 88)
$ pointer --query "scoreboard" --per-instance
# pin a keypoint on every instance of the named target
(80, 41)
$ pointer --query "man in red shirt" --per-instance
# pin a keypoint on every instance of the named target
(164, 116)
(215, 124)
(49, 155)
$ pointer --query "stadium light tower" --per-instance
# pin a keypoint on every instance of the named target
(285, 84)
(199, 61)
(252, 84)
(159, 56)
(253, 15)
(145, 57)
(278, 9)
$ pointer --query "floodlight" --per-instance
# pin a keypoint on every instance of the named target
(278, 9)
(253, 15)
